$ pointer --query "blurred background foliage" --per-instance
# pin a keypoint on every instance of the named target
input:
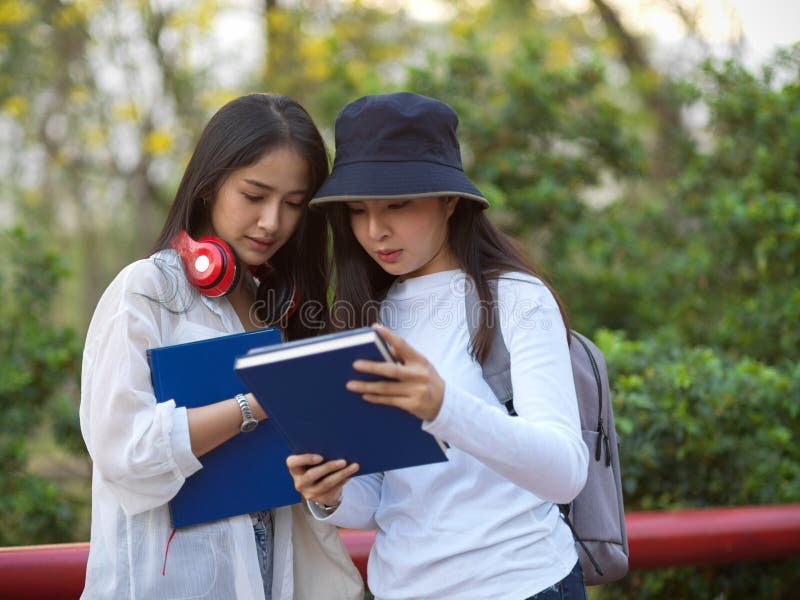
(674, 241)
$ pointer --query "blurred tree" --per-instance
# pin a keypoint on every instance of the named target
(539, 125)
(326, 54)
(103, 101)
(713, 256)
(657, 89)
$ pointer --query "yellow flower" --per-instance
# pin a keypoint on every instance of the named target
(15, 106)
(214, 99)
(318, 70)
(504, 43)
(461, 27)
(277, 20)
(95, 137)
(158, 142)
(125, 111)
(356, 70)
(314, 49)
(559, 53)
(197, 14)
(68, 16)
(206, 13)
(78, 94)
(76, 12)
(32, 197)
(14, 12)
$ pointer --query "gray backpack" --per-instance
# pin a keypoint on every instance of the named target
(596, 516)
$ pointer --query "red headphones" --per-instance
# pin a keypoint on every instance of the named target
(211, 264)
(214, 269)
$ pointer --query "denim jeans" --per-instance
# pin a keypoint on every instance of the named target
(569, 588)
(264, 532)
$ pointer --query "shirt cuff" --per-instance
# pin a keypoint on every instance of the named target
(320, 514)
(182, 444)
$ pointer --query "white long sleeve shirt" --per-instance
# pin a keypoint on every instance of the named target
(485, 524)
(141, 455)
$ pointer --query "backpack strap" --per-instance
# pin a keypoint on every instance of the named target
(497, 366)
(600, 428)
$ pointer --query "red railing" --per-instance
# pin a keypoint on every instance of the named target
(657, 539)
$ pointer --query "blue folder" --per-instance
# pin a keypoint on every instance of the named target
(248, 472)
(301, 385)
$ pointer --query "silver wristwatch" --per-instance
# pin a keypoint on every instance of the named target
(249, 422)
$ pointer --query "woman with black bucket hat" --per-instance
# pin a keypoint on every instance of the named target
(411, 242)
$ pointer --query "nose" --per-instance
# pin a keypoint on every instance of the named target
(269, 218)
(378, 228)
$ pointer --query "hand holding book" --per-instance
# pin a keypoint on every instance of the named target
(198, 375)
(411, 384)
(302, 385)
(416, 387)
(317, 481)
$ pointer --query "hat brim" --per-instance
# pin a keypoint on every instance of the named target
(403, 179)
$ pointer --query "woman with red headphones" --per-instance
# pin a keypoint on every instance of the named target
(238, 250)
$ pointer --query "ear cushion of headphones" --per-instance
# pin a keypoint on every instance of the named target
(210, 263)
(228, 276)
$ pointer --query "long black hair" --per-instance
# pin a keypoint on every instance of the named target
(482, 251)
(238, 135)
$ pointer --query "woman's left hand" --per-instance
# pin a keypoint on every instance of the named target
(417, 387)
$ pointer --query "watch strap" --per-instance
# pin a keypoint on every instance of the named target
(248, 420)
(328, 509)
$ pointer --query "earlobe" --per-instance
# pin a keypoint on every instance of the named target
(451, 202)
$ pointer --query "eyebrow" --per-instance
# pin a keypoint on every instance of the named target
(264, 186)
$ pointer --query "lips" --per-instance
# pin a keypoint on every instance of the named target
(260, 243)
(389, 255)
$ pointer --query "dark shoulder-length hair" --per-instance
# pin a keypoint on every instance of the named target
(238, 135)
(482, 251)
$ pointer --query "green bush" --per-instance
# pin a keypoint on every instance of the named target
(39, 365)
(699, 429)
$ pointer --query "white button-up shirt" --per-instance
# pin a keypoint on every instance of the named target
(141, 455)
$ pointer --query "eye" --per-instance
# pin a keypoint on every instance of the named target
(295, 203)
(251, 197)
(397, 205)
(355, 211)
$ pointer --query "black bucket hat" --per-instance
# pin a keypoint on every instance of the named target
(400, 145)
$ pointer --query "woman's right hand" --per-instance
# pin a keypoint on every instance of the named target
(319, 481)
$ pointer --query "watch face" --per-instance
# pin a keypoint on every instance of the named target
(249, 425)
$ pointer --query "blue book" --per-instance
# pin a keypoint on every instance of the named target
(301, 386)
(248, 472)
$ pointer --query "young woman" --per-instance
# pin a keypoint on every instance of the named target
(408, 229)
(255, 167)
